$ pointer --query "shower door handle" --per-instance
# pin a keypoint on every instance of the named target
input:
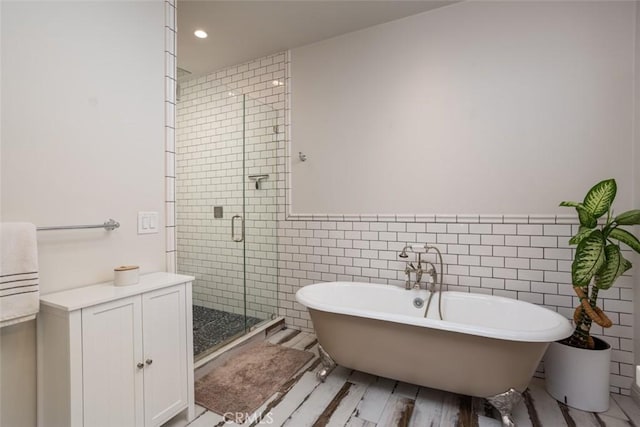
(233, 228)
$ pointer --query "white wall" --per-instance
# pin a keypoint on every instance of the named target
(82, 141)
(479, 107)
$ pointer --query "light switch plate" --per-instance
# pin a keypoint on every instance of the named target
(147, 222)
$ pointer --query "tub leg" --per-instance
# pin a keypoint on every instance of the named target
(327, 364)
(504, 403)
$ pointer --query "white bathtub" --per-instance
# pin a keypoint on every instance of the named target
(486, 345)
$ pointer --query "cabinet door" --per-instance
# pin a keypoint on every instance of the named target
(165, 353)
(111, 350)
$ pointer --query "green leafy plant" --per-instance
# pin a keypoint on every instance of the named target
(598, 260)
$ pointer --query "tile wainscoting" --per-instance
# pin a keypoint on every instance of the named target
(525, 261)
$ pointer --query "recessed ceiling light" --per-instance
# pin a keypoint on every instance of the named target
(201, 34)
(277, 83)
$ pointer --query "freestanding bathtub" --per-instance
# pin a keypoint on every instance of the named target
(485, 346)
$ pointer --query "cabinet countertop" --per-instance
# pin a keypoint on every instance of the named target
(86, 296)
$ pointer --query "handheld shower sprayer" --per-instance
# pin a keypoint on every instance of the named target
(427, 248)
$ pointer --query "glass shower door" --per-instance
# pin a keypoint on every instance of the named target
(261, 139)
(226, 206)
(210, 210)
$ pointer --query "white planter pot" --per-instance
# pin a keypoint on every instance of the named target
(577, 377)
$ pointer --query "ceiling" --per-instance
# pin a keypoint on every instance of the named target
(242, 30)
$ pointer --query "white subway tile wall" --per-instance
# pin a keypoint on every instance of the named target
(215, 114)
(170, 158)
(516, 256)
(534, 268)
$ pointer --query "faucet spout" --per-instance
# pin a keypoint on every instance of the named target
(419, 271)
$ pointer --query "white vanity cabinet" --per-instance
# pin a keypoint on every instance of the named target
(116, 356)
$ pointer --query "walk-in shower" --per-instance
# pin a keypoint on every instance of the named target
(226, 207)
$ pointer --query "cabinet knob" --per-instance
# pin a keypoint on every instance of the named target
(140, 365)
(149, 361)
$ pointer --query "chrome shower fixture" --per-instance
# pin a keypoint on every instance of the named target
(431, 270)
(258, 179)
(412, 248)
(404, 254)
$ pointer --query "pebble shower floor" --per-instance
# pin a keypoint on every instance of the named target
(212, 327)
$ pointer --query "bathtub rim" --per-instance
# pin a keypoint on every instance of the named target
(561, 330)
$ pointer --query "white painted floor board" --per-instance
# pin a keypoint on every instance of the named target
(208, 419)
(180, 420)
(311, 361)
(396, 405)
(280, 335)
(521, 415)
(428, 409)
(406, 390)
(375, 399)
(304, 341)
(613, 422)
(371, 401)
(629, 407)
(450, 410)
(294, 398)
(258, 414)
(348, 405)
(359, 422)
(583, 419)
(318, 400)
(546, 406)
(295, 341)
(358, 377)
(614, 410)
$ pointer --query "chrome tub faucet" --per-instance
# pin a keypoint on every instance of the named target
(418, 271)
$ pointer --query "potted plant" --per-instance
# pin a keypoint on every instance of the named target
(577, 368)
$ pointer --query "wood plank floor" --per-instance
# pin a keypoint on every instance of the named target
(354, 399)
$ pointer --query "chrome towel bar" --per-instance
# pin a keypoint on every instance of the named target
(109, 225)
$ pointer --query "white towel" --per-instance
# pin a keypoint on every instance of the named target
(19, 289)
